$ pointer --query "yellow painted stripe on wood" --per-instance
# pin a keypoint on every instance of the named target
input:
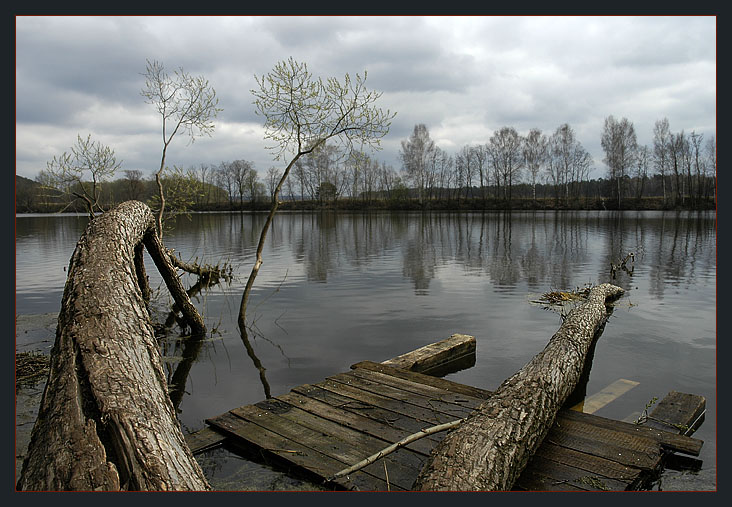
(592, 404)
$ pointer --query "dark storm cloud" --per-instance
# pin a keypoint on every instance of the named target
(464, 77)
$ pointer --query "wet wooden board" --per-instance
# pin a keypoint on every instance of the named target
(203, 440)
(421, 378)
(594, 462)
(671, 441)
(435, 356)
(283, 451)
(678, 412)
(383, 416)
(325, 427)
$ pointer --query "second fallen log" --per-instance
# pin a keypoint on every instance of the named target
(492, 446)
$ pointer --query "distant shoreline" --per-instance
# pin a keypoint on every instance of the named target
(463, 205)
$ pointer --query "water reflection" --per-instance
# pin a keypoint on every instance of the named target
(544, 250)
(375, 285)
(257, 363)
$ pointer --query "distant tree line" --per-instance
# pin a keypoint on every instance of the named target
(680, 168)
(509, 171)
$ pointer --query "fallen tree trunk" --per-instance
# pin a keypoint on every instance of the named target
(491, 447)
(106, 421)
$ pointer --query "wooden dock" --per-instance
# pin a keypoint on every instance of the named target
(316, 430)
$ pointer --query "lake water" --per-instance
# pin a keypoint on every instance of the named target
(336, 289)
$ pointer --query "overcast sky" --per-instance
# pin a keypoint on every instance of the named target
(463, 77)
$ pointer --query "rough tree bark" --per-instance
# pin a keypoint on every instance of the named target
(106, 421)
(491, 447)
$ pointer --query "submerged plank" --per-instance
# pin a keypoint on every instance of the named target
(595, 402)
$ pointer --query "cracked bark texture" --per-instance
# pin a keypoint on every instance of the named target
(106, 421)
(490, 449)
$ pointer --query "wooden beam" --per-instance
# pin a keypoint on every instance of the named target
(435, 355)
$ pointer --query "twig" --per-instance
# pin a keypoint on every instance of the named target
(386, 472)
(393, 447)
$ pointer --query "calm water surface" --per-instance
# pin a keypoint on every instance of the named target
(336, 289)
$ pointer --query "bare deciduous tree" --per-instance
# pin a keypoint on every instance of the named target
(300, 114)
(186, 104)
(677, 147)
(89, 159)
(415, 154)
(641, 172)
(695, 143)
(507, 158)
(535, 153)
(711, 154)
(620, 146)
(661, 142)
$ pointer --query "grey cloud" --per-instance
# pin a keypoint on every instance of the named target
(461, 76)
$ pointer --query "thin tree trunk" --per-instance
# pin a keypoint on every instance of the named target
(265, 228)
(491, 447)
(106, 421)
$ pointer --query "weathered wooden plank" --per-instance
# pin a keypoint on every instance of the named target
(595, 402)
(671, 441)
(410, 386)
(594, 464)
(330, 445)
(601, 433)
(421, 378)
(678, 413)
(398, 394)
(427, 415)
(358, 440)
(204, 439)
(559, 473)
(381, 415)
(435, 355)
(356, 421)
(352, 415)
(591, 442)
(269, 444)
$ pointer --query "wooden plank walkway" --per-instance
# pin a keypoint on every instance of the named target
(319, 429)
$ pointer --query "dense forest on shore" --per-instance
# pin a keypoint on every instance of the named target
(33, 197)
